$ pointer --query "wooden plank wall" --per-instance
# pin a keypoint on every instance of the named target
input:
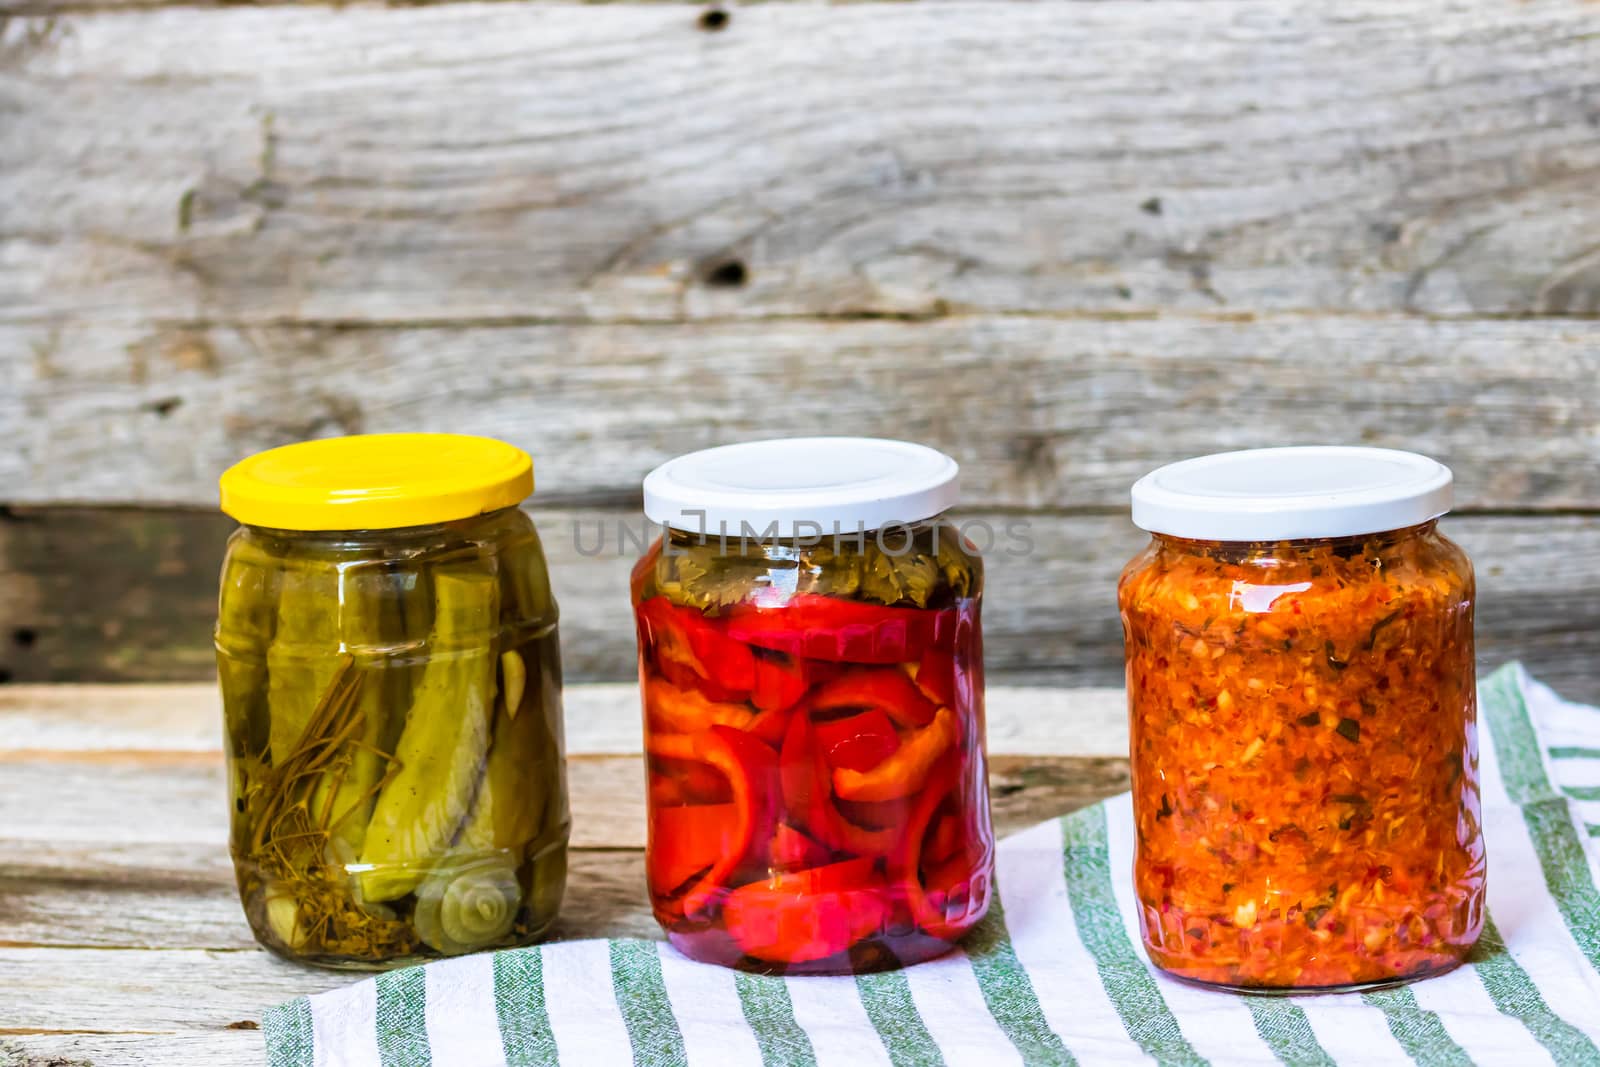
(1066, 242)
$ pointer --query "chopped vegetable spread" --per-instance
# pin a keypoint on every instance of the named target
(1305, 763)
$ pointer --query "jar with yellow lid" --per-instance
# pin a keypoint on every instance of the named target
(391, 685)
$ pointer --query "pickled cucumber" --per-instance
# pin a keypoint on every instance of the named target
(440, 755)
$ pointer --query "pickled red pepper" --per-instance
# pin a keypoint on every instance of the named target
(815, 777)
(1304, 758)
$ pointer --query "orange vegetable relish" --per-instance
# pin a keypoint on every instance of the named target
(1304, 758)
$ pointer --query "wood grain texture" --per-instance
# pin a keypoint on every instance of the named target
(1045, 413)
(1049, 616)
(69, 899)
(91, 828)
(212, 1047)
(573, 162)
(130, 884)
(177, 724)
(121, 937)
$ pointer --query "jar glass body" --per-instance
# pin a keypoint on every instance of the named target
(392, 701)
(818, 800)
(1305, 759)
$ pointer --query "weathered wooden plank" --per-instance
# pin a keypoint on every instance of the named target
(57, 820)
(60, 888)
(180, 897)
(93, 723)
(58, 799)
(61, 807)
(154, 991)
(468, 161)
(1049, 617)
(241, 1047)
(97, 718)
(103, 845)
(1041, 412)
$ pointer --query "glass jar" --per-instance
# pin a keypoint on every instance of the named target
(811, 664)
(1303, 716)
(391, 686)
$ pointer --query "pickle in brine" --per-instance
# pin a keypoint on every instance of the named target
(473, 895)
(305, 652)
(342, 801)
(439, 757)
(247, 615)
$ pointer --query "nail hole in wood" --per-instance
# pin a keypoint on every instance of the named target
(1151, 206)
(714, 20)
(729, 274)
(24, 637)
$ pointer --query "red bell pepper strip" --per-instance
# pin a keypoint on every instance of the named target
(885, 688)
(904, 772)
(808, 796)
(770, 726)
(672, 710)
(681, 635)
(955, 896)
(666, 792)
(687, 840)
(752, 772)
(936, 677)
(952, 886)
(945, 840)
(805, 787)
(684, 677)
(807, 915)
(794, 851)
(685, 782)
(837, 630)
(887, 813)
(858, 742)
(780, 681)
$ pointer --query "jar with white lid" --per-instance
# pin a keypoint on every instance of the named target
(1303, 721)
(811, 666)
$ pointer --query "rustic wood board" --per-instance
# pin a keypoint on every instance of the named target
(121, 938)
(182, 724)
(129, 594)
(1042, 412)
(471, 162)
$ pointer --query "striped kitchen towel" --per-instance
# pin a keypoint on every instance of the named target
(1054, 976)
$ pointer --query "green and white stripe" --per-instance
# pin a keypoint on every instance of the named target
(519, 1006)
(1568, 869)
(765, 1002)
(1517, 996)
(402, 1020)
(1055, 977)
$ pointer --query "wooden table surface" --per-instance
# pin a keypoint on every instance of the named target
(121, 937)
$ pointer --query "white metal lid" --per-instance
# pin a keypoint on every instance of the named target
(1273, 494)
(808, 486)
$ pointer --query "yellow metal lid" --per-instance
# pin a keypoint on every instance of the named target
(376, 482)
